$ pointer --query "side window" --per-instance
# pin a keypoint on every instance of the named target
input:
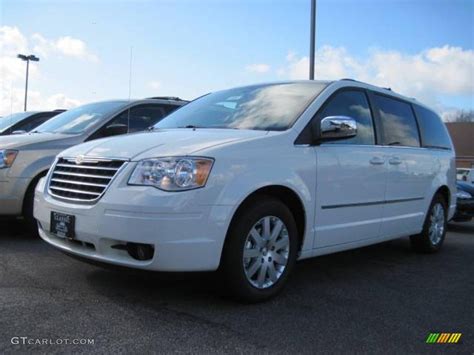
(33, 122)
(433, 131)
(170, 108)
(140, 117)
(398, 122)
(353, 104)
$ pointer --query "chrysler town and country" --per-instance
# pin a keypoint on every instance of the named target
(248, 180)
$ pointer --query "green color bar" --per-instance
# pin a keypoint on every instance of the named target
(432, 337)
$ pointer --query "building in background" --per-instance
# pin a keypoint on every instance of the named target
(462, 134)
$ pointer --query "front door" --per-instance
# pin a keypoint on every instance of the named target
(351, 176)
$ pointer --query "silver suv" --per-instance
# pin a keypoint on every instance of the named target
(25, 158)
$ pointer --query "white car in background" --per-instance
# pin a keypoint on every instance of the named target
(251, 179)
(466, 175)
(25, 158)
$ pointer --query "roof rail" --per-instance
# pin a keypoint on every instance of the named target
(174, 98)
(60, 110)
(347, 79)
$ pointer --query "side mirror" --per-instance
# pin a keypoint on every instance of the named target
(115, 130)
(336, 127)
(19, 132)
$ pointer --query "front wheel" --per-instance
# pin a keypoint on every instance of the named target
(260, 250)
(432, 237)
(28, 203)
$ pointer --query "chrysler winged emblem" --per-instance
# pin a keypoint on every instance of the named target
(79, 159)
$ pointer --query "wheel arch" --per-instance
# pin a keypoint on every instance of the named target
(31, 187)
(285, 194)
(445, 192)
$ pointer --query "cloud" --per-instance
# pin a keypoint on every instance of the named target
(67, 46)
(61, 101)
(258, 68)
(12, 70)
(74, 47)
(11, 39)
(445, 70)
(427, 75)
(332, 63)
(13, 101)
(12, 42)
(155, 85)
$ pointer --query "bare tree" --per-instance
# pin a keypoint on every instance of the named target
(463, 116)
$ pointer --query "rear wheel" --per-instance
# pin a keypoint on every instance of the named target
(260, 250)
(432, 237)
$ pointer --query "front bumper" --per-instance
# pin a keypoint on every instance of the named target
(185, 236)
(12, 193)
(464, 210)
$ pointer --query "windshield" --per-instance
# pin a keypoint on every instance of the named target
(79, 119)
(273, 107)
(10, 120)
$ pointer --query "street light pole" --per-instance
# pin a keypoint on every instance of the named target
(312, 40)
(27, 59)
(26, 83)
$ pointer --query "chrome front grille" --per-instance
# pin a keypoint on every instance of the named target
(82, 179)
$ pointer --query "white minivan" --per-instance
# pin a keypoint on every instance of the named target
(248, 180)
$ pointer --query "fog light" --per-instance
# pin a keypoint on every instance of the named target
(140, 251)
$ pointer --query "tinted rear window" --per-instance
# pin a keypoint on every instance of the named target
(398, 122)
(433, 131)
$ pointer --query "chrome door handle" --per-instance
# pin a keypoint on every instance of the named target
(377, 161)
(395, 161)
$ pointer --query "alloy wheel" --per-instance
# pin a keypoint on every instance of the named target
(437, 223)
(266, 252)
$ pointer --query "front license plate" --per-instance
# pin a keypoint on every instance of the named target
(62, 225)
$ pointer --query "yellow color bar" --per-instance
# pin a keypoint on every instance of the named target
(455, 337)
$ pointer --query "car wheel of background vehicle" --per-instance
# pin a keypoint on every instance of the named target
(260, 250)
(461, 219)
(432, 237)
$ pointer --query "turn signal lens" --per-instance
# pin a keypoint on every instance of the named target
(7, 157)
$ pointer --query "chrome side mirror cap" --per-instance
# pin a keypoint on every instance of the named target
(337, 127)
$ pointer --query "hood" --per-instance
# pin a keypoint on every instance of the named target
(169, 142)
(35, 141)
(465, 186)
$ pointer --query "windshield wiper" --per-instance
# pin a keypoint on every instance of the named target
(190, 126)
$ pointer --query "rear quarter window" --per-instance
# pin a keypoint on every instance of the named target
(433, 131)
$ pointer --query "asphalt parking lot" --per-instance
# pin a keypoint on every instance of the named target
(382, 298)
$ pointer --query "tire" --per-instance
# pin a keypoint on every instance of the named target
(431, 239)
(28, 202)
(274, 258)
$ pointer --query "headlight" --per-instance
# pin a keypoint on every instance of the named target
(172, 174)
(7, 157)
(463, 195)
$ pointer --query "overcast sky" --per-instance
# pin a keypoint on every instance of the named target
(420, 48)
